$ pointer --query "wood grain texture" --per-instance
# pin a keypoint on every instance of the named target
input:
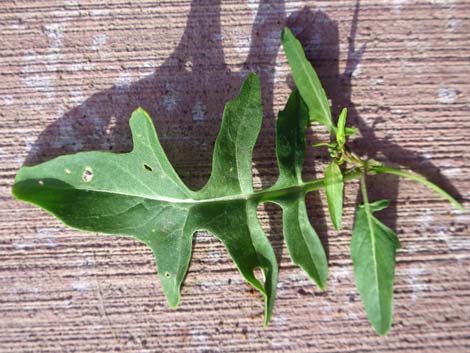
(71, 73)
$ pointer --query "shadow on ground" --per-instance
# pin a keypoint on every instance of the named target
(185, 96)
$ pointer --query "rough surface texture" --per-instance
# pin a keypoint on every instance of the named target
(71, 73)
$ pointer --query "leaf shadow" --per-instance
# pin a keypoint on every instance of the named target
(185, 97)
(320, 37)
(183, 100)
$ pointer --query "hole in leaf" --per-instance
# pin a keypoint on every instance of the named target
(259, 274)
(67, 171)
(167, 274)
(147, 167)
(87, 175)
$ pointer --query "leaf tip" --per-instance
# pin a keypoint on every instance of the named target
(174, 305)
(14, 188)
(23, 184)
(252, 83)
(285, 32)
(173, 300)
(321, 278)
(337, 225)
(171, 288)
(139, 112)
(383, 329)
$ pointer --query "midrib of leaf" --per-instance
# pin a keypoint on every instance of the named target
(296, 164)
(261, 286)
(312, 83)
(304, 65)
(304, 237)
(272, 194)
(180, 241)
(365, 200)
(237, 159)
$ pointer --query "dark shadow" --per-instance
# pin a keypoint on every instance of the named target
(185, 97)
(320, 38)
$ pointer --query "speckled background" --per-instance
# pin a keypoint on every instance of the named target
(71, 73)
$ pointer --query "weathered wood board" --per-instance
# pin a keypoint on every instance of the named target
(71, 73)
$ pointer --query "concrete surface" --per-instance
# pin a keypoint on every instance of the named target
(71, 73)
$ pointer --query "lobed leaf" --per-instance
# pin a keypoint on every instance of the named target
(139, 194)
(134, 194)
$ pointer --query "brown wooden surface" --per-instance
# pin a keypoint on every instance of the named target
(71, 73)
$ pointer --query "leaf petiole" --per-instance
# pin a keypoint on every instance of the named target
(365, 197)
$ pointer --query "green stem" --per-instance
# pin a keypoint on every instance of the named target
(365, 197)
(354, 173)
(315, 185)
(419, 179)
(273, 194)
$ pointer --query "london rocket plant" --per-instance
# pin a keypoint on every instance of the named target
(139, 194)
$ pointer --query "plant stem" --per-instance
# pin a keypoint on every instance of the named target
(420, 179)
(278, 193)
(365, 197)
(274, 194)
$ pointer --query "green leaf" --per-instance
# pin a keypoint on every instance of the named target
(340, 130)
(334, 193)
(303, 243)
(139, 194)
(307, 81)
(373, 248)
(350, 131)
(380, 169)
(133, 194)
(290, 140)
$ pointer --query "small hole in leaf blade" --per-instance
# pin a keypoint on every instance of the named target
(147, 167)
(87, 175)
(259, 274)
